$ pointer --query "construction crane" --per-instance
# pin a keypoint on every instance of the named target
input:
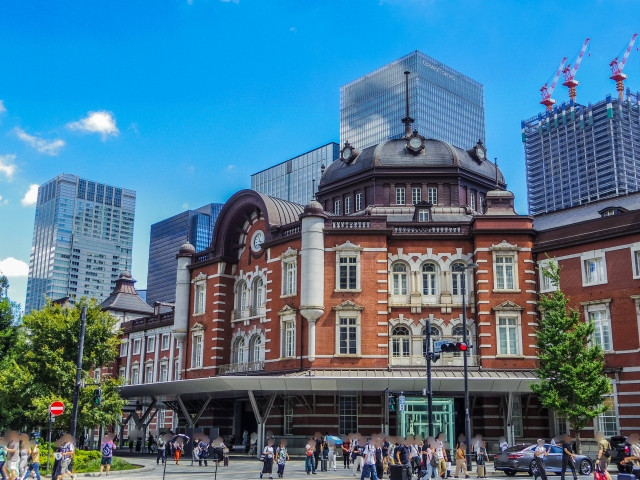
(570, 73)
(616, 68)
(547, 91)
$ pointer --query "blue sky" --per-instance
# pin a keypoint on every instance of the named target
(181, 100)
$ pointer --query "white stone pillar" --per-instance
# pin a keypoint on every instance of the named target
(172, 360)
(312, 267)
(181, 309)
(156, 349)
(127, 372)
(143, 347)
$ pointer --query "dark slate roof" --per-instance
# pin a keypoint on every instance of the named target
(582, 213)
(281, 212)
(124, 297)
(392, 153)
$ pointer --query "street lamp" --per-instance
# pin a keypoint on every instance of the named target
(463, 284)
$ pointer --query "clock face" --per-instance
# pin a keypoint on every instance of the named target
(480, 153)
(415, 142)
(346, 154)
(257, 240)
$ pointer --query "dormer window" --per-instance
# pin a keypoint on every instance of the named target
(423, 215)
(610, 211)
(422, 212)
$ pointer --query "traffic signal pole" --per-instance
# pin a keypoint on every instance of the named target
(76, 390)
(429, 385)
(465, 357)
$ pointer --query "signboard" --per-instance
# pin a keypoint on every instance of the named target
(401, 403)
(437, 345)
(56, 408)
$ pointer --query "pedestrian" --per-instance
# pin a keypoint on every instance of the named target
(34, 461)
(503, 444)
(379, 460)
(346, 453)
(482, 458)
(634, 458)
(415, 458)
(427, 458)
(162, 451)
(13, 459)
(245, 436)
(403, 457)
(139, 445)
(150, 444)
(317, 453)
(441, 455)
(203, 447)
(24, 457)
(195, 453)
(332, 456)
(447, 452)
(268, 460)
(325, 453)
(461, 460)
(3, 459)
(68, 453)
(356, 456)
(568, 458)
(540, 457)
(282, 456)
(130, 444)
(308, 460)
(107, 447)
(604, 455)
(56, 471)
(177, 450)
(369, 460)
(218, 450)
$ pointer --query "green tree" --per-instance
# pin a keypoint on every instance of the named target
(9, 319)
(43, 368)
(570, 366)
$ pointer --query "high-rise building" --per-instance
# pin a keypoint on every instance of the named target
(445, 104)
(292, 180)
(82, 240)
(578, 154)
(167, 236)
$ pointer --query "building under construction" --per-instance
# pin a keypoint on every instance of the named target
(577, 154)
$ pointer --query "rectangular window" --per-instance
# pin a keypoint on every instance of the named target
(164, 372)
(636, 263)
(347, 205)
(199, 305)
(602, 332)
(151, 344)
(348, 414)
(416, 195)
(165, 341)
(288, 416)
(348, 272)
(336, 207)
(289, 287)
(473, 201)
(289, 349)
(517, 416)
(508, 336)
(559, 425)
(594, 270)
(136, 346)
(135, 376)
(423, 215)
(348, 336)
(96, 374)
(433, 195)
(358, 202)
(196, 352)
(607, 421)
(122, 372)
(504, 272)
(124, 348)
(400, 198)
(148, 374)
(457, 283)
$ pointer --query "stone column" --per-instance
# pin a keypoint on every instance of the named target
(181, 309)
(172, 360)
(141, 372)
(156, 345)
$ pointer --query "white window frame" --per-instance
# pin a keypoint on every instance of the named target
(416, 195)
(197, 349)
(148, 373)
(122, 373)
(400, 288)
(151, 344)
(501, 250)
(635, 260)
(609, 417)
(358, 202)
(348, 310)
(336, 207)
(401, 344)
(347, 205)
(166, 341)
(288, 338)
(433, 292)
(509, 315)
(259, 294)
(348, 252)
(199, 301)
(164, 372)
(289, 276)
(472, 197)
(124, 348)
(137, 342)
(243, 296)
(238, 346)
(256, 348)
(432, 195)
(135, 375)
(603, 324)
(456, 281)
(96, 374)
(423, 215)
(599, 257)
(545, 282)
(401, 196)
(502, 263)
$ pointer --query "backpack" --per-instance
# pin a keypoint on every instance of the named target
(106, 450)
(607, 451)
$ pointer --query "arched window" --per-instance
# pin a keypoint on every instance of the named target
(237, 352)
(401, 342)
(399, 279)
(429, 279)
(258, 292)
(255, 349)
(435, 336)
(243, 299)
(458, 271)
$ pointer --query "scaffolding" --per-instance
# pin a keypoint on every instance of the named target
(578, 154)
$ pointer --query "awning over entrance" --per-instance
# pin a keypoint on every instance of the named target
(341, 381)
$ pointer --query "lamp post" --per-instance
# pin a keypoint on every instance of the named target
(463, 284)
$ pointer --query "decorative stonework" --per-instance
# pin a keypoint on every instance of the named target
(508, 306)
(348, 305)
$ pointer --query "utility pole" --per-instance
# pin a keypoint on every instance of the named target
(76, 390)
(429, 385)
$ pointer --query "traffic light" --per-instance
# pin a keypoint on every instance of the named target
(434, 357)
(392, 404)
(97, 396)
(454, 347)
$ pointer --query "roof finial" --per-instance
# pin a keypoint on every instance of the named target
(496, 163)
(407, 120)
(313, 188)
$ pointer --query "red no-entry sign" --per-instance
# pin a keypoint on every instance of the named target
(56, 408)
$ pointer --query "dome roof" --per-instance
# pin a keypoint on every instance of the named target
(187, 249)
(392, 153)
(314, 208)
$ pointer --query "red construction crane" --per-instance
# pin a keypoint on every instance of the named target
(616, 68)
(546, 91)
(570, 73)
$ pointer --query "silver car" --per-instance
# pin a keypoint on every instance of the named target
(520, 458)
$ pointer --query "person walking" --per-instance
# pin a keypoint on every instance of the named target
(482, 458)
(308, 460)
(177, 451)
(204, 452)
(332, 456)
(540, 457)
(356, 455)
(369, 460)
(427, 459)
(346, 453)
(461, 460)
(604, 455)
(415, 459)
(441, 455)
(195, 452)
(106, 448)
(3, 460)
(568, 459)
(162, 451)
(317, 453)
(138, 445)
(268, 461)
(282, 456)
(13, 459)
(24, 457)
(379, 462)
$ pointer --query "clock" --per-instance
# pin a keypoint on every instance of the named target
(415, 143)
(348, 153)
(480, 151)
(257, 240)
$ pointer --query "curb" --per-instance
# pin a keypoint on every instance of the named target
(114, 473)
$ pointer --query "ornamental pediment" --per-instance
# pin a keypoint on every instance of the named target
(505, 246)
(348, 246)
(201, 277)
(197, 327)
(508, 306)
(287, 310)
(289, 252)
(348, 305)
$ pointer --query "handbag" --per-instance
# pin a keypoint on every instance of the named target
(263, 457)
(434, 461)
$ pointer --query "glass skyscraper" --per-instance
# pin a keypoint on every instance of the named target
(293, 180)
(445, 104)
(82, 240)
(167, 236)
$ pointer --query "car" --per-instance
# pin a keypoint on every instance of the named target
(620, 449)
(519, 458)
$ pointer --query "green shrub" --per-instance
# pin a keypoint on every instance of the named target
(86, 461)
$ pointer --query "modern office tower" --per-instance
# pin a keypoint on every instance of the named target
(167, 236)
(82, 240)
(445, 104)
(579, 154)
(293, 180)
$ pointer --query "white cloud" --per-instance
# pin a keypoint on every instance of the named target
(7, 166)
(12, 267)
(185, 206)
(48, 147)
(101, 122)
(2, 107)
(230, 167)
(31, 197)
(293, 29)
(230, 1)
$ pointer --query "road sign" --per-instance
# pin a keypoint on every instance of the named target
(401, 402)
(437, 345)
(56, 408)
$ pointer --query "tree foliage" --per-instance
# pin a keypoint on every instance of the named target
(43, 367)
(9, 319)
(570, 366)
